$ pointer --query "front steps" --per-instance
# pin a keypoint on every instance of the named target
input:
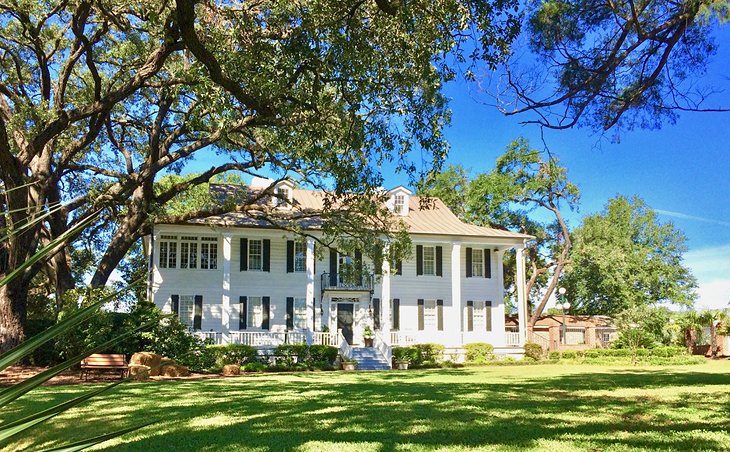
(369, 358)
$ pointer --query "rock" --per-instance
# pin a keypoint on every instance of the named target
(231, 369)
(139, 372)
(151, 360)
(174, 370)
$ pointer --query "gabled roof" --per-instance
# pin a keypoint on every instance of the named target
(434, 218)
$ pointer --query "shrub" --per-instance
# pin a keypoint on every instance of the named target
(533, 351)
(479, 352)
(303, 357)
(403, 354)
(254, 367)
(554, 355)
(427, 355)
(232, 354)
(569, 354)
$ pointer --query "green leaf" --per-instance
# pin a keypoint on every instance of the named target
(83, 444)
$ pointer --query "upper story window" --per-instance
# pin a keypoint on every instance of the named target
(300, 256)
(399, 202)
(168, 251)
(255, 254)
(477, 262)
(284, 197)
(209, 253)
(429, 260)
(189, 252)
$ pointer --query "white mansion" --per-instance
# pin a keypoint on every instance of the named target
(234, 279)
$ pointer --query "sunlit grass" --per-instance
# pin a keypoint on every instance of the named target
(550, 407)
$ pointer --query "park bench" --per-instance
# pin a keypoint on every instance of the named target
(104, 361)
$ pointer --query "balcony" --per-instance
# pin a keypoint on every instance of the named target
(355, 282)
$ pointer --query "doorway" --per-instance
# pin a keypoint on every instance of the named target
(345, 319)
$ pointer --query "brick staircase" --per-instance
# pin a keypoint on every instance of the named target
(369, 358)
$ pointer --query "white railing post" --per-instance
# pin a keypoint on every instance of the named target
(386, 350)
(345, 349)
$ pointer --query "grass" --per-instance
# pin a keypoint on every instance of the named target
(558, 407)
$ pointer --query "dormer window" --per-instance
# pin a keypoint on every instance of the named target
(284, 197)
(399, 202)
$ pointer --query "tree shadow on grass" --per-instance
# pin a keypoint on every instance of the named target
(387, 410)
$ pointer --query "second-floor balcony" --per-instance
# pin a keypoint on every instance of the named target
(356, 281)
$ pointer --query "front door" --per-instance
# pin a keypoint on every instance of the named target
(344, 320)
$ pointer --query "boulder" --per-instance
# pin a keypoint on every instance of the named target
(231, 370)
(151, 360)
(139, 372)
(174, 370)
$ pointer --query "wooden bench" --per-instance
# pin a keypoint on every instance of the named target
(101, 361)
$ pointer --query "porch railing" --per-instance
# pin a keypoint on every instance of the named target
(321, 338)
(209, 336)
(361, 283)
(345, 349)
(380, 345)
(512, 338)
(267, 338)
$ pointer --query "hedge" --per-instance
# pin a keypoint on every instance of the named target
(232, 354)
(479, 352)
(420, 355)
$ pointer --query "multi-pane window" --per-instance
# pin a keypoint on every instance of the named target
(300, 256)
(255, 254)
(300, 313)
(186, 310)
(429, 315)
(255, 314)
(189, 252)
(284, 196)
(429, 260)
(479, 316)
(168, 251)
(398, 203)
(477, 262)
(209, 253)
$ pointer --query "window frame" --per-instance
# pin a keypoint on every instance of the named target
(299, 316)
(169, 243)
(399, 203)
(300, 260)
(432, 261)
(283, 201)
(182, 311)
(260, 243)
(433, 317)
(251, 312)
(209, 249)
(477, 263)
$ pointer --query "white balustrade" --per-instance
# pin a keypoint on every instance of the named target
(325, 338)
(383, 347)
(209, 336)
(512, 338)
(345, 349)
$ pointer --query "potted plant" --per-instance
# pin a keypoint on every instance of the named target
(401, 357)
(368, 336)
(348, 364)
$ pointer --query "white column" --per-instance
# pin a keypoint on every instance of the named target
(226, 299)
(498, 316)
(521, 299)
(310, 284)
(385, 297)
(456, 294)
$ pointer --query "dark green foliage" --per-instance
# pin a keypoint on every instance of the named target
(254, 367)
(569, 354)
(534, 351)
(232, 354)
(479, 352)
(403, 354)
(554, 355)
(420, 355)
(304, 357)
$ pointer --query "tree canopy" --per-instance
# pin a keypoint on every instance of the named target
(625, 257)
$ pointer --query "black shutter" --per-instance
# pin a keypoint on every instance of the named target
(420, 314)
(396, 314)
(468, 263)
(399, 267)
(314, 314)
(470, 315)
(333, 267)
(290, 256)
(175, 302)
(198, 313)
(244, 255)
(487, 263)
(439, 261)
(419, 260)
(488, 314)
(440, 314)
(289, 313)
(267, 255)
(376, 313)
(242, 312)
(265, 307)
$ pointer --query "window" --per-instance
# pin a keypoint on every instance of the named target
(300, 313)
(255, 314)
(300, 257)
(284, 197)
(189, 252)
(429, 315)
(479, 316)
(168, 251)
(477, 262)
(186, 310)
(399, 204)
(209, 253)
(255, 254)
(429, 260)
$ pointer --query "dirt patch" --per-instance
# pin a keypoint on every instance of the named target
(16, 374)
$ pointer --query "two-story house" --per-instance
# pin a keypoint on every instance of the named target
(236, 279)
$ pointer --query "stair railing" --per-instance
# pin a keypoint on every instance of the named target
(383, 347)
(345, 349)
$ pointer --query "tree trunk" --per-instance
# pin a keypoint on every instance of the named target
(13, 297)
(713, 340)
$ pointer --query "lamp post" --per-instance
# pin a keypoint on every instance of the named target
(564, 305)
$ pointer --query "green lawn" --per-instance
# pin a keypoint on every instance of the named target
(559, 407)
